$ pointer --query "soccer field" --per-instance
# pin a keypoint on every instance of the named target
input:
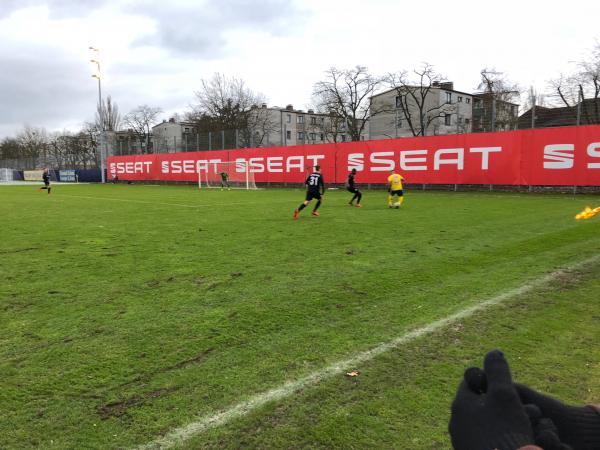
(145, 316)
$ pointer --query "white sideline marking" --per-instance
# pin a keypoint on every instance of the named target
(146, 202)
(184, 433)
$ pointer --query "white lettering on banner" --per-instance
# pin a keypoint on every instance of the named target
(459, 160)
(356, 161)
(188, 166)
(202, 165)
(215, 163)
(315, 159)
(131, 167)
(406, 159)
(256, 165)
(485, 154)
(292, 165)
(275, 164)
(176, 167)
(388, 164)
(561, 155)
(593, 150)
(240, 165)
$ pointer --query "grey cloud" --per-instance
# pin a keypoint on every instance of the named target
(43, 88)
(57, 8)
(199, 30)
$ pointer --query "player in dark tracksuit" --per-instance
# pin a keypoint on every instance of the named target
(46, 178)
(315, 188)
(225, 180)
(351, 187)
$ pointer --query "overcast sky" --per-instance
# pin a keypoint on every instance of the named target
(156, 52)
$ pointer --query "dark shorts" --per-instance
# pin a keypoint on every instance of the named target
(352, 190)
(312, 194)
(398, 193)
(47, 183)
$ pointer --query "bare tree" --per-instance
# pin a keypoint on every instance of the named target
(259, 125)
(140, 121)
(346, 94)
(581, 88)
(501, 95)
(496, 83)
(10, 148)
(108, 117)
(34, 144)
(414, 98)
(226, 101)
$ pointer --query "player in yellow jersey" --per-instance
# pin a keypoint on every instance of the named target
(395, 188)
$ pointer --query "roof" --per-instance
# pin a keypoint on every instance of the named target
(432, 87)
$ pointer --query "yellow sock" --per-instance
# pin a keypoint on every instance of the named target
(389, 200)
(401, 200)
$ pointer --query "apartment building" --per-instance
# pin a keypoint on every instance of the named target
(445, 111)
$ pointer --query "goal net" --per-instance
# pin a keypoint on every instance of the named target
(227, 174)
(6, 175)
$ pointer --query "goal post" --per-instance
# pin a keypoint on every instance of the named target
(226, 174)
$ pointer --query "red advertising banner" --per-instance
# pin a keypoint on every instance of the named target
(552, 156)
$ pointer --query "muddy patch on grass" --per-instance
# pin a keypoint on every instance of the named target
(120, 408)
(18, 250)
(351, 289)
(191, 361)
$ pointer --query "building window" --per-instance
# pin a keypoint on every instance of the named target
(447, 119)
(362, 138)
(460, 120)
(300, 135)
(300, 119)
(343, 126)
(398, 101)
(313, 120)
(467, 100)
(322, 120)
(322, 137)
(343, 138)
(186, 130)
(289, 118)
(313, 136)
(448, 97)
(459, 99)
(467, 121)
(288, 135)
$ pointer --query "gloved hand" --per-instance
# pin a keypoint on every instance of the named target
(544, 430)
(490, 419)
(577, 426)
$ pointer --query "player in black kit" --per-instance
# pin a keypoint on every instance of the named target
(46, 178)
(315, 188)
(351, 187)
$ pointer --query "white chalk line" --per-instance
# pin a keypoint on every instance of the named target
(182, 205)
(184, 433)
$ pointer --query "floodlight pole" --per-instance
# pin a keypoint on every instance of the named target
(102, 143)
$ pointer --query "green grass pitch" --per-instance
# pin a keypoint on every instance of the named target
(129, 311)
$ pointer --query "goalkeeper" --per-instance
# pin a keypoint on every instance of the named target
(225, 180)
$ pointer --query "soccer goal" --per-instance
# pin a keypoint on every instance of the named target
(227, 174)
(6, 175)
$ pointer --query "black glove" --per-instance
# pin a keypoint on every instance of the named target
(544, 430)
(577, 426)
(490, 420)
